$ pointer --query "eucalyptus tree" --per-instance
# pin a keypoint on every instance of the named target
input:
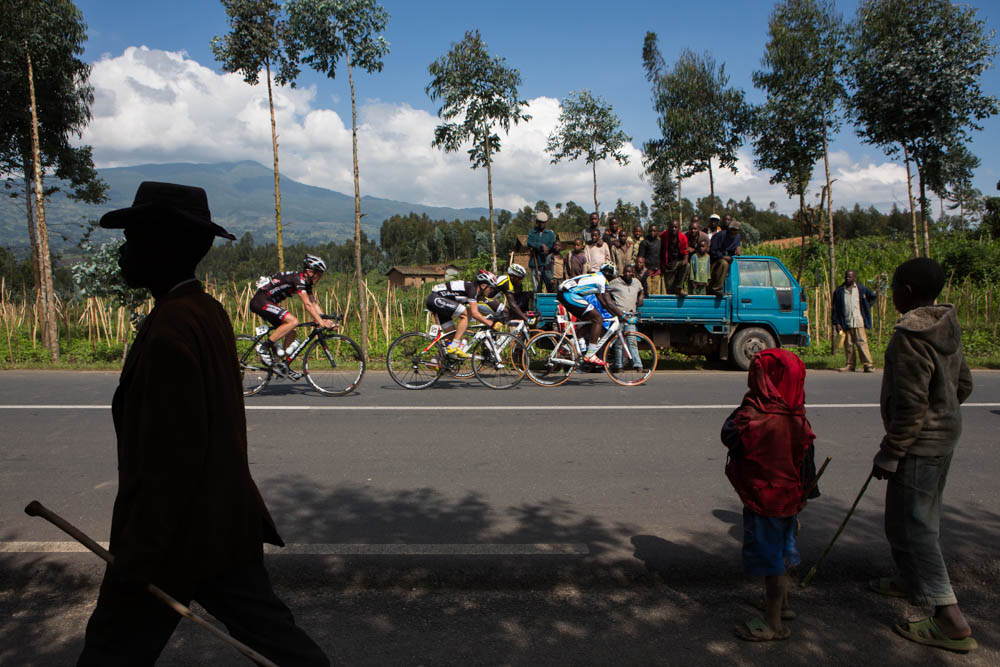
(320, 33)
(915, 69)
(254, 44)
(589, 128)
(802, 79)
(700, 117)
(477, 92)
(46, 103)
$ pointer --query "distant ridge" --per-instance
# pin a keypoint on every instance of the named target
(241, 196)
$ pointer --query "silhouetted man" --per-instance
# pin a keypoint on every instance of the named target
(188, 516)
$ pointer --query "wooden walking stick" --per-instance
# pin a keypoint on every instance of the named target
(35, 508)
(812, 572)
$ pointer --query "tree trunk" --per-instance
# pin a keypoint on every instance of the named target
(909, 193)
(359, 275)
(277, 187)
(489, 190)
(50, 327)
(711, 186)
(923, 211)
(680, 199)
(594, 169)
(32, 234)
(802, 226)
(829, 218)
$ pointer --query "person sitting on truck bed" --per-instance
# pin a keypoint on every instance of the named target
(725, 245)
(586, 297)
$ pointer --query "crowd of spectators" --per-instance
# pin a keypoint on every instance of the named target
(668, 261)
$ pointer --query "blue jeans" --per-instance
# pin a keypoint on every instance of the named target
(633, 349)
(913, 528)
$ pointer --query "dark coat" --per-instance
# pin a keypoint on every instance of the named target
(866, 298)
(186, 507)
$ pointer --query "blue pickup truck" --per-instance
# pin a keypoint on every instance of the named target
(763, 306)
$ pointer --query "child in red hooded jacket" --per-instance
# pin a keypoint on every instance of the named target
(771, 460)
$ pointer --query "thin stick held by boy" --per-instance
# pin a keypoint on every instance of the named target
(771, 461)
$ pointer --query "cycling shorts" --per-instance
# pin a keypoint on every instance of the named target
(268, 310)
(444, 307)
(581, 304)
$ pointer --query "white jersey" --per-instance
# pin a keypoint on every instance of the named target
(588, 283)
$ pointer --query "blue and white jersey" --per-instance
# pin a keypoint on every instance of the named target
(588, 283)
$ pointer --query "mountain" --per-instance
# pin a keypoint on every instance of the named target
(241, 196)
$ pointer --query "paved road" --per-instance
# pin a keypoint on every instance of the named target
(579, 524)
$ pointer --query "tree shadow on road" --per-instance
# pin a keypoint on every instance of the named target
(635, 599)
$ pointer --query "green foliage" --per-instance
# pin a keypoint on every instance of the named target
(588, 128)
(699, 116)
(100, 276)
(255, 42)
(802, 82)
(321, 32)
(53, 33)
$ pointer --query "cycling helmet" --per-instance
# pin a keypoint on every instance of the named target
(487, 277)
(608, 269)
(503, 282)
(516, 270)
(315, 263)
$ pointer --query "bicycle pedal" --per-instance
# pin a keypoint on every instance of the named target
(281, 369)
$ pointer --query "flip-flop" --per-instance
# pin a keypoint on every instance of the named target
(887, 586)
(928, 633)
(757, 630)
(761, 604)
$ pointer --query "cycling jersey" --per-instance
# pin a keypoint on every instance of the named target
(588, 283)
(461, 291)
(265, 300)
(447, 300)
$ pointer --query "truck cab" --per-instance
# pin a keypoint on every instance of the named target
(762, 306)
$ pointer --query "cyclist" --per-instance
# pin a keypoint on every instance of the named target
(271, 292)
(586, 296)
(510, 287)
(448, 301)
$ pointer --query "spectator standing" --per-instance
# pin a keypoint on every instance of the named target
(635, 240)
(540, 240)
(577, 264)
(620, 252)
(925, 381)
(642, 274)
(674, 260)
(555, 267)
(700, 271)
(595, 223)
(611, 233)
(598, 252)
(771, 460)
(626, 291)
(188, 516)
(694, 234)
(852, 314)
(649, 249)
(713, 225)
(724, 246)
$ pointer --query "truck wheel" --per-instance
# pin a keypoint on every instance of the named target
(747, 343)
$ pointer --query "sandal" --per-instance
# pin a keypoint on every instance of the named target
(757, 630)
(928, 633)
(786, 613)
(887, 586)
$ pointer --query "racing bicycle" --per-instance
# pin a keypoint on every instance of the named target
(416, 360)
(331, 362)
(553, 356)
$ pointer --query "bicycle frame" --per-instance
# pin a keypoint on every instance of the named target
(614, 330)
(288, 359)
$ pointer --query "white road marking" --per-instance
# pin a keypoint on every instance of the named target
(304, 548)
(492, 408)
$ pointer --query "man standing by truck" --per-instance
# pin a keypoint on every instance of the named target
(852, 314)
(725, 245)
(649, 249)
(540, 241)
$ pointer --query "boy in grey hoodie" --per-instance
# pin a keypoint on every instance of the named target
(925, 381)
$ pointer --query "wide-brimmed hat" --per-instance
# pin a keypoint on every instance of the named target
(541, 216)
(735, 225)
(187, 206)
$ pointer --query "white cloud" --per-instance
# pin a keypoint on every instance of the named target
(159, 106)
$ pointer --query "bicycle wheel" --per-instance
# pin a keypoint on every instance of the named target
(254, 372)
(548, 366)
(496, 364)
(333, 364)
(634, 369)
(413, 360)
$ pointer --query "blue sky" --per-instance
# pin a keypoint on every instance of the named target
(557, 46)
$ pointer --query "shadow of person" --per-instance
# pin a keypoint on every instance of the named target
(735, 521)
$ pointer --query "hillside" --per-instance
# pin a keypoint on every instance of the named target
(241, 196)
